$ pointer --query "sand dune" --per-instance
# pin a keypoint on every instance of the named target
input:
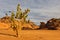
(30, 35)
(4, 25)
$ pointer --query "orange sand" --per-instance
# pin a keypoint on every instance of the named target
(4, 25)
(31, 35)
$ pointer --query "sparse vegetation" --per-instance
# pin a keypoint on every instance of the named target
(12, 16)
(18, 21)
(20, 14)
(22, 22)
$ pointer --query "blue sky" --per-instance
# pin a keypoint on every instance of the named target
(41, 10)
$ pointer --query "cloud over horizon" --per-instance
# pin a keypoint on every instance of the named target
(40, 9)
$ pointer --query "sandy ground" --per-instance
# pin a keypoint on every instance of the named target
(30, 35)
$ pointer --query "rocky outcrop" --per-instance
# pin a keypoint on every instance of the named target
(52, 24)
(42, 25)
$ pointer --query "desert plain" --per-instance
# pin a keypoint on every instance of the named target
(30, 35)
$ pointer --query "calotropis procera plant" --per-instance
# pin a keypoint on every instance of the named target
(13, 24)
(20, 14)
(25, 14)
(12, 16)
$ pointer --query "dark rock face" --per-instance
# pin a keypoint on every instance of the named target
(42, 25)
(52, 24)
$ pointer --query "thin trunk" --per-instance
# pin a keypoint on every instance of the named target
(16, 32)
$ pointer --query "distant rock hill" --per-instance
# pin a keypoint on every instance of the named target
(51, 24)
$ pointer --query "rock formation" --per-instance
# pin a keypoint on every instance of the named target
(52, 24)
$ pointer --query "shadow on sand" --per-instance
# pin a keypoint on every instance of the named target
(8, 34)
